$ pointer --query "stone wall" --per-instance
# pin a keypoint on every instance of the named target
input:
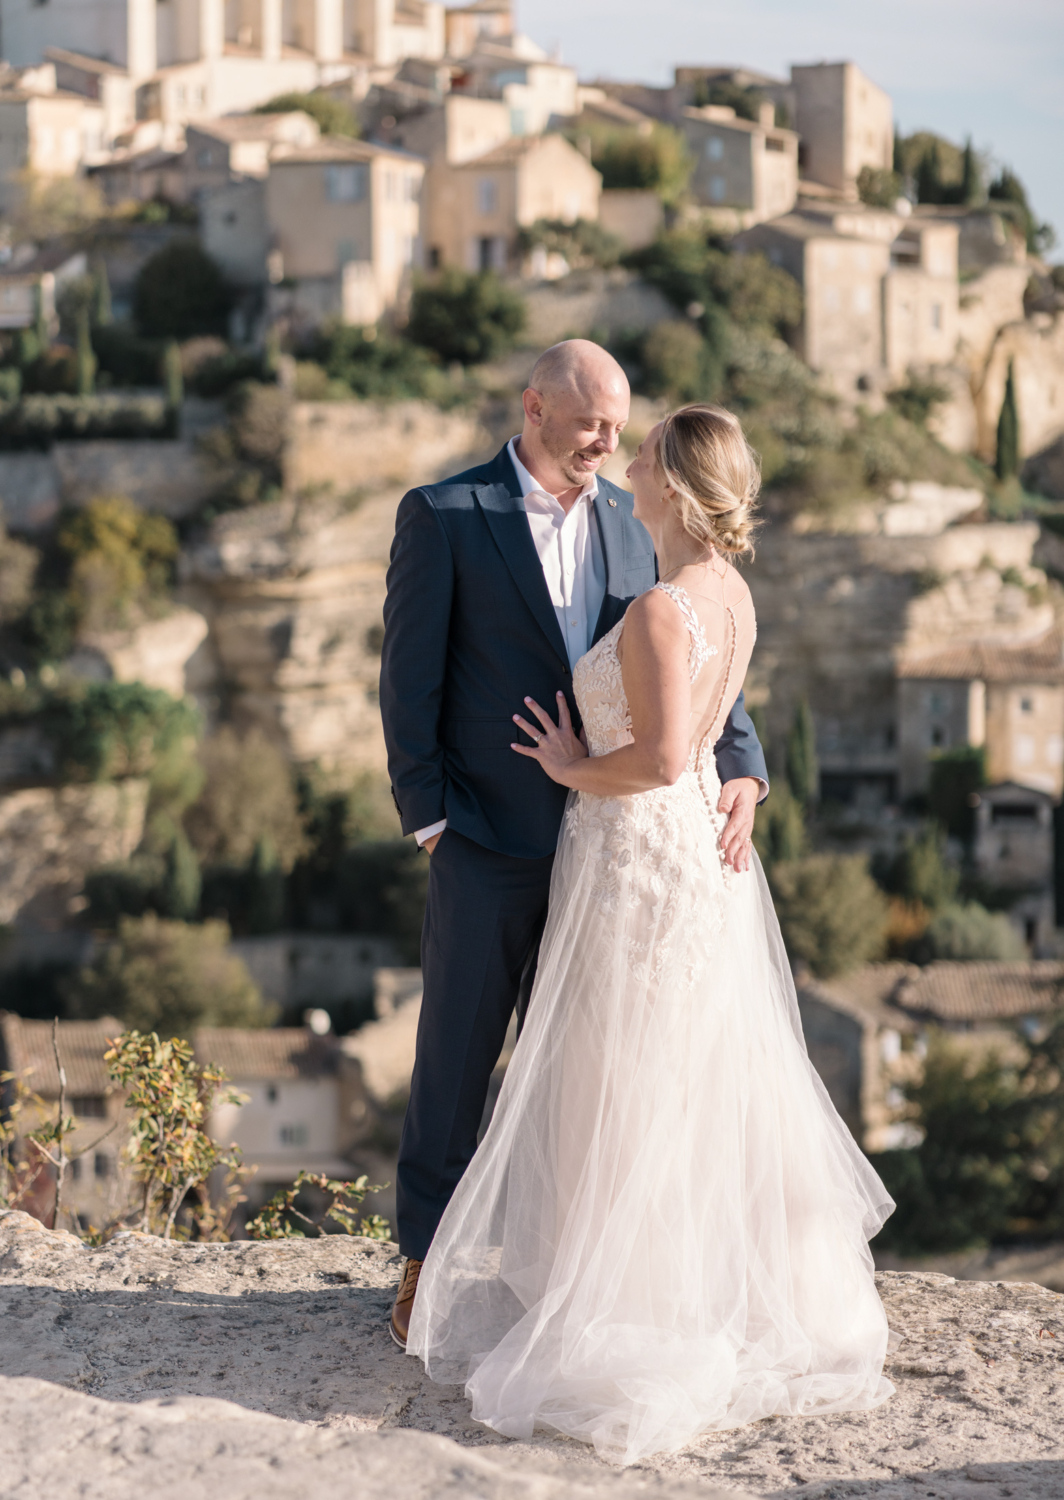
(586, 300)
(353, 446)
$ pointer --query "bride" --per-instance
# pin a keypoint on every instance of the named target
(664, 1231)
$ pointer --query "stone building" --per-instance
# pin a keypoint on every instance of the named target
(94, 1183)
(156, 64)
(519, 181)
(881, 291)
(1013, 851)
(846, 122)
(744, 171)
(867, 1031)
(467, 26)
(305, 1104)
(842, 613)
(45, 130)
(1006, 697)
(460, 128)
(338, 221)
(538, 90)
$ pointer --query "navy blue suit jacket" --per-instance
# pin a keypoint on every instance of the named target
(469, 630)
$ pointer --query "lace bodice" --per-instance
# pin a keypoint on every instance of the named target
(599, 687)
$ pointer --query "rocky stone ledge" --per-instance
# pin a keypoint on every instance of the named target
(266, 1369)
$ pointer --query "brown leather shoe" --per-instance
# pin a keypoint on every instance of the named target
(399, 1323)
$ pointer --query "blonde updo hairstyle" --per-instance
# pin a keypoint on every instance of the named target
(715, 474)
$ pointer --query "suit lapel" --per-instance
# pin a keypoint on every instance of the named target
(503, 509)
(611, 530)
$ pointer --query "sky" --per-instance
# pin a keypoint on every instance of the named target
(992, 69)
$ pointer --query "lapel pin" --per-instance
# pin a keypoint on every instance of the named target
(611, 501)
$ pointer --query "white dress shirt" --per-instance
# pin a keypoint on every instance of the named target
(570, 553)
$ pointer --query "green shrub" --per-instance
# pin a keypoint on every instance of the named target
(464, 317)
(878, 187)
(832, 913)
(677, 362)
(179, 292)
(917, 399)
(370, 364)
(248, 451)
(38, 421)
(125, 357)
(583, 242)
(101, 730)
(919, 871)
(803, 768)
(333, 116)
(118, 556)
(689, 267)
(957, 776)
(969, 1177)
(18, 571)
(248, 802)
(968, 933)
(631, 159)
(779, 827)
(168, 977)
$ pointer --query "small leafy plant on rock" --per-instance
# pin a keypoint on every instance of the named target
(274, 1221)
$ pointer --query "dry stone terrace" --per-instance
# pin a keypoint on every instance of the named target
(266, 1369)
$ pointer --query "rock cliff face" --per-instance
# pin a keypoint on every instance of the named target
(266, 1370)
(293, 590)
(50, 837)
(836, 612)
(293, 593)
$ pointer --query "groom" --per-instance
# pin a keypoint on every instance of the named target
(500, 579)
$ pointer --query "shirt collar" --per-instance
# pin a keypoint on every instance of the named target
(528, 483)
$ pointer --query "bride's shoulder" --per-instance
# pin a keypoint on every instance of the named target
(655, 616)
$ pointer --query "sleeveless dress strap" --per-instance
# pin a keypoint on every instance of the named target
(701, 650)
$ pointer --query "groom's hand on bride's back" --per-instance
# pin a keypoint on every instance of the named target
(738, 798)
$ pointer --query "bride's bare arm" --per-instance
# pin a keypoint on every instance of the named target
(658, 688)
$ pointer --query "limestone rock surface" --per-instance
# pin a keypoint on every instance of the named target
(51, 836)
(262, 1369)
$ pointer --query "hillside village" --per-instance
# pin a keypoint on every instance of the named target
(263, 266)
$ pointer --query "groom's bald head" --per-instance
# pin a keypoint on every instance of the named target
(577, 367)
(576, 406)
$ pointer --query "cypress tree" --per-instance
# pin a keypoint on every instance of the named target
(929, 176)
(86, 359)
(803, 772)
(40, 324)
(179, 895)
(1007, 461)
(101, 297)
(265, 889)
(971, 176)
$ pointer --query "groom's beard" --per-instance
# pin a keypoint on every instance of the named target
(568, 459)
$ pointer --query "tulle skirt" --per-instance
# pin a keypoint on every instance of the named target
(664, 1231)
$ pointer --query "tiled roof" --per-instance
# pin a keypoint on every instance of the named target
(342, 148)
(1036, 661)
(253, 127)
(982, 991)
(865, 993)
(82, 1044)
(506, 152)
(283, 1052)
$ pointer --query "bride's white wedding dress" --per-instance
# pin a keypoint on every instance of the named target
(665, 1229)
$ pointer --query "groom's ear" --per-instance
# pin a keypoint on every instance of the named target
(532, 402)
